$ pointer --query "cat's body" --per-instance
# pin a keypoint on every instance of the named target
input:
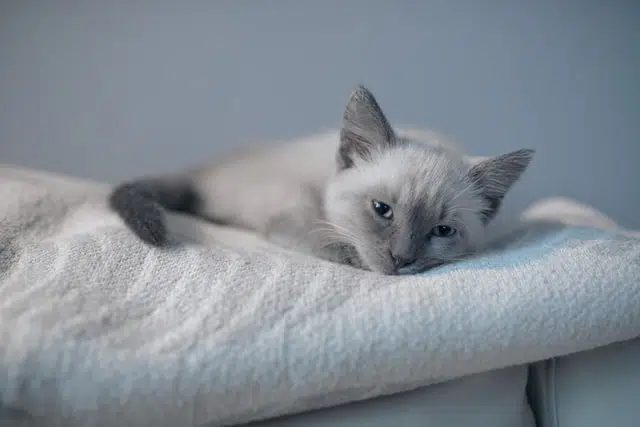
(328, 195)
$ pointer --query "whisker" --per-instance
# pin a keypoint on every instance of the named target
(342, 234)
(468, 187)
(461, 208)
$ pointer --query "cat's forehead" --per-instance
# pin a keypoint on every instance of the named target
(417, 175)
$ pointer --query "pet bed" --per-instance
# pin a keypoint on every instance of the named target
(97, 329)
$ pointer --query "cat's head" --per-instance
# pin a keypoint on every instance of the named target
(408, 205)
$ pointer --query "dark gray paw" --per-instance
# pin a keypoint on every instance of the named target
(140, 212)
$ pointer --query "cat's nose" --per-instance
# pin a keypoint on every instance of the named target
(400, 261)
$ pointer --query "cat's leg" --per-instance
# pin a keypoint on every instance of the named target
(258, 190)
(140, 204)
(233, 193)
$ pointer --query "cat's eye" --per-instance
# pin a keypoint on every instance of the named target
(382, 209)
(443, 231)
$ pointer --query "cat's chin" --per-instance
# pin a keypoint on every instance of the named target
(423, 268)
(385, 265)
(390, 270)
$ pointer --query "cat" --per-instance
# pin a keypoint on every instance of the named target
(375, 197)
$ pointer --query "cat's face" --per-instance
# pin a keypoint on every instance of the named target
(407, 206)
(406, 210)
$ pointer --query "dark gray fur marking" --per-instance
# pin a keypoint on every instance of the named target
(140, 204)
(364, 128)
(495, 177)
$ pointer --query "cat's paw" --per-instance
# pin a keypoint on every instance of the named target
(139, 211)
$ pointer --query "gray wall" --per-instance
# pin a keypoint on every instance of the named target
(113, 89)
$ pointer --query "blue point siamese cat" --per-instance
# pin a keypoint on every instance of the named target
(386, 200)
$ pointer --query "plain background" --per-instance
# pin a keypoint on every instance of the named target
(109, 90)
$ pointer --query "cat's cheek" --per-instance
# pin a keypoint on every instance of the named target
(446, 249)
(462, 241)
(469, 232)
(439, 246)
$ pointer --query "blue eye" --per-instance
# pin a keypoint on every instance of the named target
(443, 231)
(382, 209)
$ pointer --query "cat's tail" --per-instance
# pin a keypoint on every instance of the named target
(141, 204)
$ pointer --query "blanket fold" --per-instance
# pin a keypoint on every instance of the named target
(221, 328)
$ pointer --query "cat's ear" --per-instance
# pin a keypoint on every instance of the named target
(494, 176)
(364, 128)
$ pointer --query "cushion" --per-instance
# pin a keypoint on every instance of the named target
(589, 389)
(495, 398)
(221, 328)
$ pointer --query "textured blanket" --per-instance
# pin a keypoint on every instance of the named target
(97, 329)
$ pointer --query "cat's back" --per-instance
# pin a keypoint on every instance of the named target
(252, 185)
(305, 161)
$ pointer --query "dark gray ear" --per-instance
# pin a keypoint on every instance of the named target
(496, 175)
(364, 128)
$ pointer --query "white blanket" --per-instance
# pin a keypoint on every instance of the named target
(97, 329)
